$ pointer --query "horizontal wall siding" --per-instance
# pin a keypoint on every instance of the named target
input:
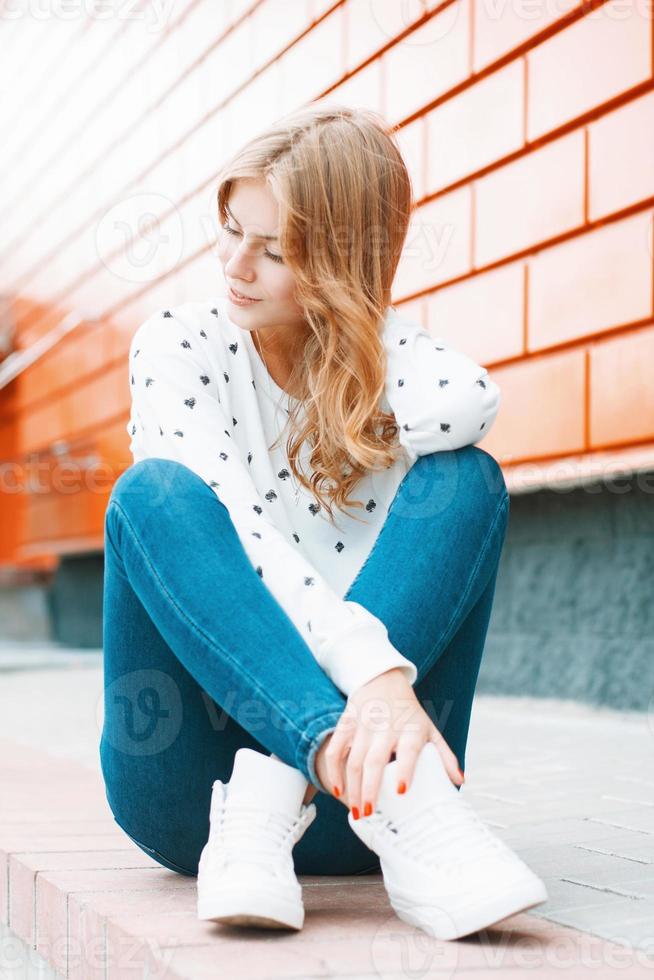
(529, 135)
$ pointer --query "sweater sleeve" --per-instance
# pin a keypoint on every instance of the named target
(441, 398)
(176, 415)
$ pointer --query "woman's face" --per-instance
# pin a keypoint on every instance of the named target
(252, 264)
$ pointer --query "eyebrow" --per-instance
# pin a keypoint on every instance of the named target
(266, 238)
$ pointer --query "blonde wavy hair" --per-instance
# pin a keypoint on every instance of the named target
(345, 200)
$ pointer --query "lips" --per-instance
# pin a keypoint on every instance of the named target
(242, 295)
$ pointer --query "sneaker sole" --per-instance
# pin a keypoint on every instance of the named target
(246, 909)
(493, 909)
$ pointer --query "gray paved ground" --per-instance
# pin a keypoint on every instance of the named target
(569, 787)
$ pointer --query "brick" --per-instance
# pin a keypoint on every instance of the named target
(197, 153)
(87, 942)
(411, 140)
(413, 310)
(427, 62)
(164, 901)
(362, 89)
(590, 283)
(235, 50)
(630, 845)
(482, 316)
(313, 64)
(385, 954)
(90, 913)
(318, 7)
(481, 125)
(53, 827)
(501, 27)
(324, 917)
(247, 114)
(236, 10)
(24, 867)
(542, 412)
(273, 25)
(621, 157)
(591, 61)
(526, 202)
(437, 245)
(607, 914)
(371, 26)
(52, 896)
(593, 868)
(245, 959)
(26, 841)
(621, 392)
(579, 832)
(81, 352)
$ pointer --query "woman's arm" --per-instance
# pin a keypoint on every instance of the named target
(176, 415)
(441, 398)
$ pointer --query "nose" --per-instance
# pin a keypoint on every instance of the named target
(239, 265)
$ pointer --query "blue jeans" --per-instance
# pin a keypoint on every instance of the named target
(200, 659)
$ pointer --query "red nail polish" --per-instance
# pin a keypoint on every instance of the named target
(402, 787)
(355, 812)
(337, 791)
(367, 810)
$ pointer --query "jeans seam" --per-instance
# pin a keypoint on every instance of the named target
(482, 550)
(383, 528)
(374, 545)
(386, 523)
(197, 630)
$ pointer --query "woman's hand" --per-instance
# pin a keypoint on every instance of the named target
(381, 717)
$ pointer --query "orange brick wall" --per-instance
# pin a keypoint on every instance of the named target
(529, 132)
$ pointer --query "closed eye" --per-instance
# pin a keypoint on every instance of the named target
(271, 255)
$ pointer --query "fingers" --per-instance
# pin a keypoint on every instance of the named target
(353, 770)
(355, 760)
(355, 766)
(363, 772)
(408, 750)
(378, 754)
(336, 755)
(450, 761)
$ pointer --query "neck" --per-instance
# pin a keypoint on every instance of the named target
(278, 366)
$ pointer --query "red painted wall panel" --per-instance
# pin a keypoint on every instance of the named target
(528, 135)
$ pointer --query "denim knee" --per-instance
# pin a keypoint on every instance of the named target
(490, 472)
(152, 480)
(470, 468)
(164, 859)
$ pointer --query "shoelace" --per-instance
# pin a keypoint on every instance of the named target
(239, 838)
(447, 833)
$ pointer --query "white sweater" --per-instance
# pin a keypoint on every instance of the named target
(201, 395)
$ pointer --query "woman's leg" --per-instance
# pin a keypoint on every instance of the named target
(430, 577)
(200, 660)
(163, 573)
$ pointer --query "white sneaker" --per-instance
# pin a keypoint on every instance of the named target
(443, 868)
(246, 875)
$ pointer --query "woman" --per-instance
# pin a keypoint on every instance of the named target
(268, 636)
